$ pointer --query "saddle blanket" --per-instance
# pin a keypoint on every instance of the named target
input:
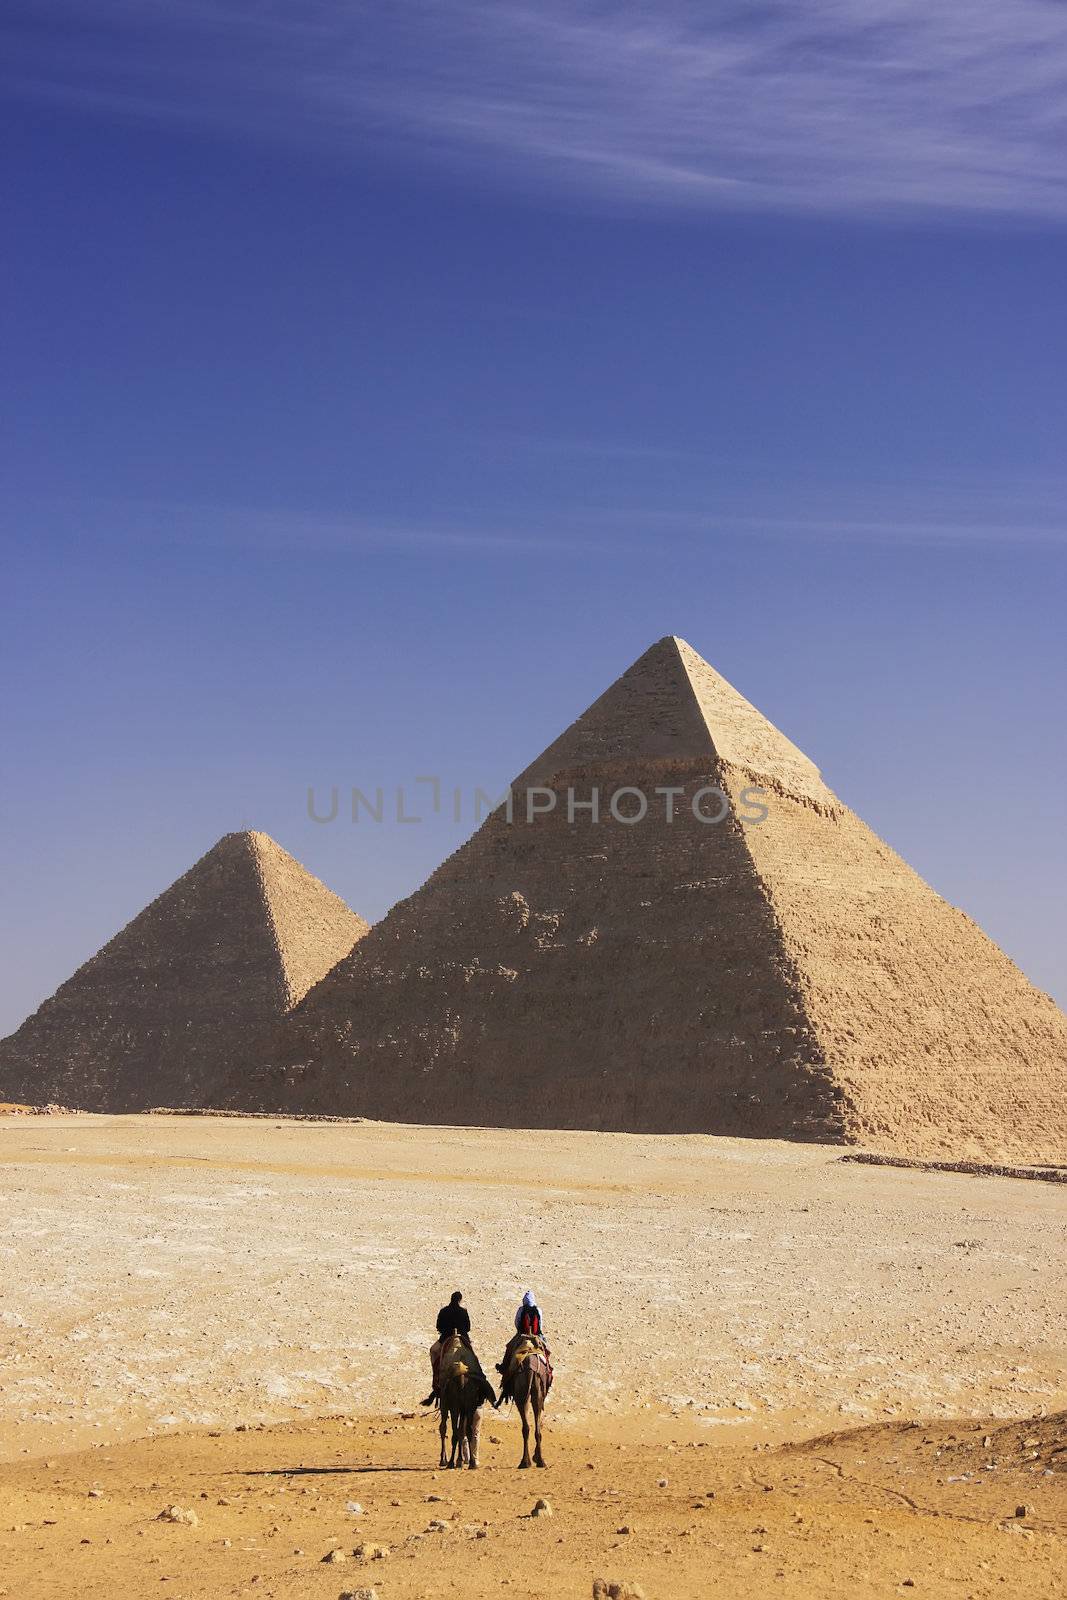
(538, 1363)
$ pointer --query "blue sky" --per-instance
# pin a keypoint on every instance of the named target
(379, 381)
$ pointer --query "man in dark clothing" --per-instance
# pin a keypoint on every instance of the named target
(451, 1319)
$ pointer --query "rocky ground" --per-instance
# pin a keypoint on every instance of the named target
(712, 1304)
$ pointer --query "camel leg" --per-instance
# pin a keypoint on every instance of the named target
(525, 1462)
(537, 1400)
(444, 1426)
(474, 1425)
(457, 1436)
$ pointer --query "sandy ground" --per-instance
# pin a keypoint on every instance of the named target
(895, 1510)
(711, 1305)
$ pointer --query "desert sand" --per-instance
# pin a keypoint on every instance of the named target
(230, 1316)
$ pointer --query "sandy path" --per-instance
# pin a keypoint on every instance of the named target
(887, 1511)
(159, 1272)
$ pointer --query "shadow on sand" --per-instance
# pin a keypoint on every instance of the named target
(317, 1472)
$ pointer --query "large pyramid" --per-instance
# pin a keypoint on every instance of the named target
(162, 1013)
(787, 977)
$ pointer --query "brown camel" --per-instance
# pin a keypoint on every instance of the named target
(464, 1389)
(526, 1382)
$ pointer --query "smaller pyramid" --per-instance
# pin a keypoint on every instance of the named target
(161, 1015)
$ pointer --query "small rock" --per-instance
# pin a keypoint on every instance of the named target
(188, 1519)
(610, 1589)
(334, 1557)
(661, 1483)
(437, 1526)
(541, 1509)
(371, 1552)
(354, 1508)
(1024, 1511)
(359, 1594)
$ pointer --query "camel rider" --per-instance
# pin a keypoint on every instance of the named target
(529, 1324)
(528, 1319)
(452, 1318)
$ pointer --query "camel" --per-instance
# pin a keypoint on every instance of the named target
(526, 1382)
(464, 1388)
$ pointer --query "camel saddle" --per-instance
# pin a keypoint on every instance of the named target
(457, 1354)
(530, 1349)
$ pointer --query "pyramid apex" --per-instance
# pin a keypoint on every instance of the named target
(667, 642)
(251, 840)
(670, 702)
(650, 712)
(236, 836)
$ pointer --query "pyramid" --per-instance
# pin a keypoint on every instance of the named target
(779, 972)
(161, 1014)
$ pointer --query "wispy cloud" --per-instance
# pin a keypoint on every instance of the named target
(961, 514)
(130, 524)
(871, 106)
